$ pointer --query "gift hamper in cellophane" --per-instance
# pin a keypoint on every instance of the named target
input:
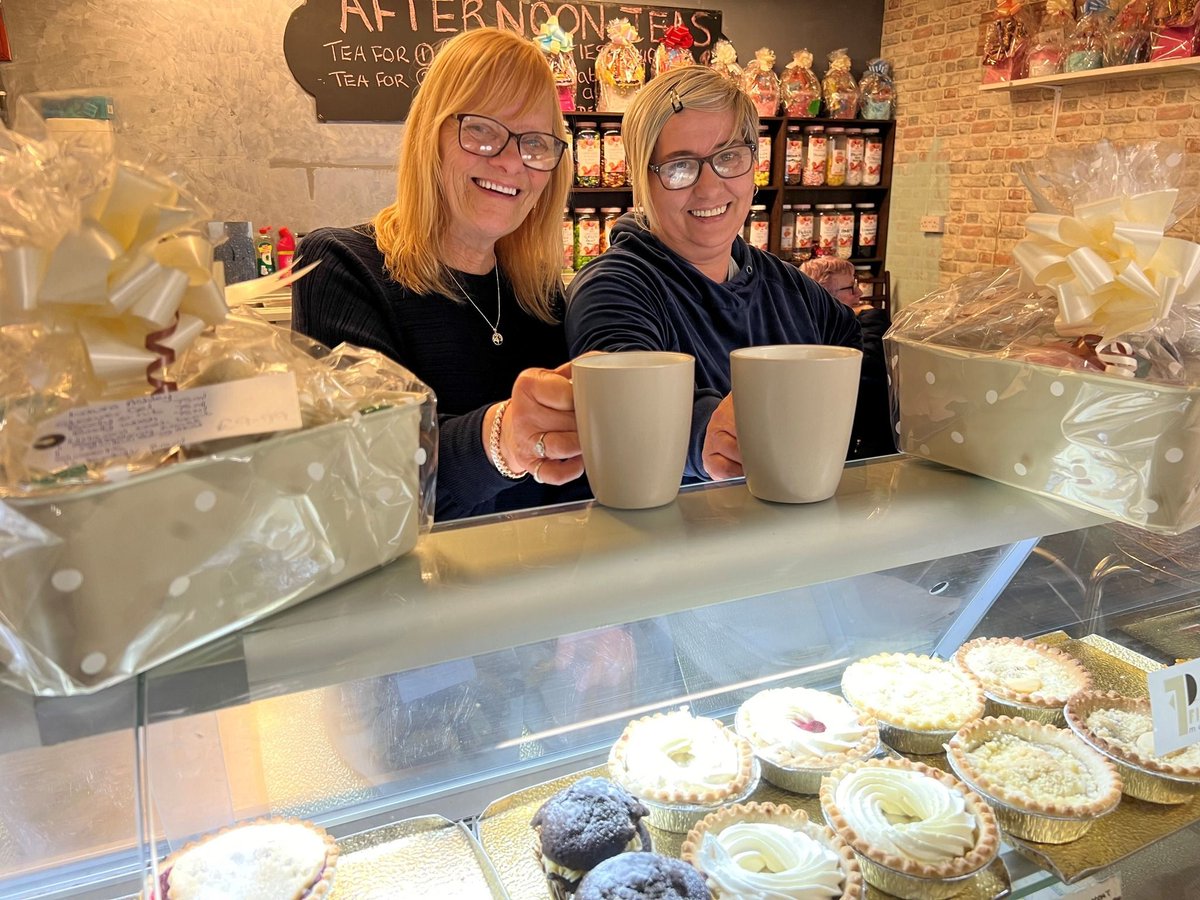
(1075, 373)
(169, 471)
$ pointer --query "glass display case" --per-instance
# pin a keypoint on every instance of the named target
(409, 711)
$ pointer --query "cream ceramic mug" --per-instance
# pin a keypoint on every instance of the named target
(793, 405)
(633, 410)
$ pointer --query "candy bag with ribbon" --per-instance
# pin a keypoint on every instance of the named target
(674, 50)
(841, 91)
(878, 90)
(1005, 43)
(619, 67)
(800, 89)
(558, 46)
(760, 83)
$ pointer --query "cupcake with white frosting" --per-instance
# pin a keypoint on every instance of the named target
(800, 734)
(767, 850)
(918, 832)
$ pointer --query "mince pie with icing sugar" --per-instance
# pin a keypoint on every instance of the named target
(268, 859)
(1122, 727)
(1023, 671)
(918, 693)
(1035, 767)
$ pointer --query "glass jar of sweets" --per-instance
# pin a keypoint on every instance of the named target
(758, 227)
(856, 148)
(793, 159)
(868, 229)
(872, 156)
(587, 236)
(587, 155)
(816, 148)
(835, 172)
(762, 166)
(845, 238)
(568, 241)
(612, 153)
(827, 230)
(608, 218)
(802, 245)
(787, 232)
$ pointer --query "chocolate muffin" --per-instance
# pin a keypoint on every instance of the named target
(583, 825)
(642, 876)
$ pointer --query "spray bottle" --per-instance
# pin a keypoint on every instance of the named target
(285, 248)
(264, 250)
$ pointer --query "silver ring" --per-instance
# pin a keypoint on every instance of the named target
(536, 471)
(539, 446)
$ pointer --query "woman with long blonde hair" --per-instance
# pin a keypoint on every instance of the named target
(459, 278)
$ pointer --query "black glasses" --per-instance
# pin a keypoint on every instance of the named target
(487, 137)
(680, 173)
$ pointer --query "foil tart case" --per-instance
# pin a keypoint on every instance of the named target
(1047, 715)
(800, 779)
(680, 818)
(911, 740)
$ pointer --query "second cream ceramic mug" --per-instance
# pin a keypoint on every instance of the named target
(793, 405)
(633, 410)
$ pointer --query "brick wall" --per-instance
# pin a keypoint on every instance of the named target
(956, 146)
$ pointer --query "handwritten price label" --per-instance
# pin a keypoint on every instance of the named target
(1175, 706)
(102, 431)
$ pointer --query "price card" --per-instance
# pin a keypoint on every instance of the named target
(1175, 706)
(265, 403)
(1094, 888)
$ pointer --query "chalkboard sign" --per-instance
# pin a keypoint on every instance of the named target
(362, 59)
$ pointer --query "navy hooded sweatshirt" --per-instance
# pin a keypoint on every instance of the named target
(641, 295)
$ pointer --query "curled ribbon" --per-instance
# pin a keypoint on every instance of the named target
(725, 53)
(621, 31)
(801, 59)
(552, 39)
(137, 288)
(765, 57)
(677, 37)
(1110, 265)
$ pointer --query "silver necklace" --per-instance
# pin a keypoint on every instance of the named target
(497, 337)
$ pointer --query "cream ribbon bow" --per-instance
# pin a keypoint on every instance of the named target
(1110, 265)
(138, 287)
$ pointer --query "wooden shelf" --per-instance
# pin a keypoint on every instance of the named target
(835, 187)
(1057, 81)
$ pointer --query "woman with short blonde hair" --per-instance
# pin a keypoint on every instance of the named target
(679, 276)
(459, 278)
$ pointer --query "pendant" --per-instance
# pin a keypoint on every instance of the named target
(497, 338)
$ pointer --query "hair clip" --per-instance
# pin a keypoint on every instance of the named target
(676, 101)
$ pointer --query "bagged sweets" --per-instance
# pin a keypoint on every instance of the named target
(1006, 43)
(619, 67)
(1174, 29)
(1085, 49)
(722, 58)
(760, 83)
(841, 92)
(1129, 39)
(878, 91)
(800, 89)
(1049, 46)
(557, 45)
(674, 50)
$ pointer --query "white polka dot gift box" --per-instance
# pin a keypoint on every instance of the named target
(169, 471)
(1075, 373)
(1029, 415)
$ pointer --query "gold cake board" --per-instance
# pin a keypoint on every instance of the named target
(423, 857)
(508, 840)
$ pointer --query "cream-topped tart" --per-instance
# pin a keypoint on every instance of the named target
(676, 757)
(1024, 672)
(764, 850)
(803, 728)
(919, 693)
(276, 859)
(1035, 768)
(910, 818)
(1122, 727)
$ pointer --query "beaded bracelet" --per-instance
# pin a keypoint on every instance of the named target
(494, 446)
